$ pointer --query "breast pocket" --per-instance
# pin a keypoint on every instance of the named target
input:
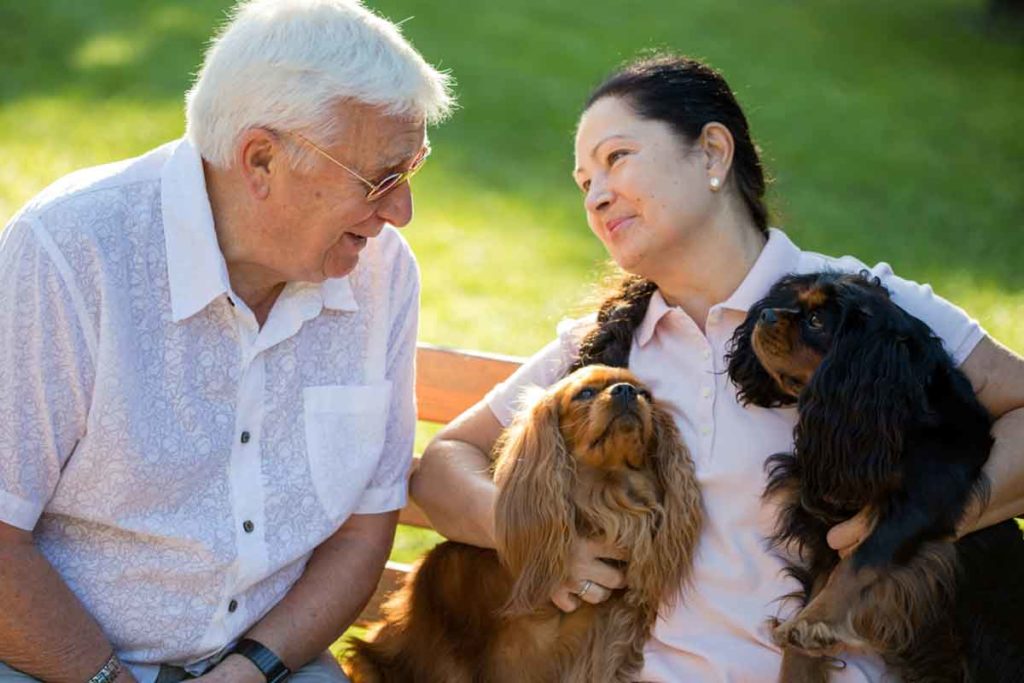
(345, 430)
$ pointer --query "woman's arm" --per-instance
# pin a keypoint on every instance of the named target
(453, 482)
(997, 375)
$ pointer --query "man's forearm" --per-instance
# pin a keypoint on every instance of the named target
(44, 629)
(338, 582)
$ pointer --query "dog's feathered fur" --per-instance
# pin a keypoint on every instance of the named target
(887, 423)
(594, 457)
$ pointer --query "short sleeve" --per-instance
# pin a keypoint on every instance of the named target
(388, 488)
(46, 371)
(543, 369)
(959, 332)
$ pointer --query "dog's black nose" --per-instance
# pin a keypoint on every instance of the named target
(768, 316)
(624, 393)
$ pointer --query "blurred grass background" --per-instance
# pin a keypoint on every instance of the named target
(893, 131)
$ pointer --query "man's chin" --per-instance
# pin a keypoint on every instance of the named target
(339, 268)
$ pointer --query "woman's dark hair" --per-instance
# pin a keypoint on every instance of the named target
(687, 95)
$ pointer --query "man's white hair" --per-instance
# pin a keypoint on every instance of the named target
(285, 64)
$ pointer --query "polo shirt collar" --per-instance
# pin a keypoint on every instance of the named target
(779, 257)
(196, 271)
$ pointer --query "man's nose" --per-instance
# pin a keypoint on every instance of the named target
(395, 207)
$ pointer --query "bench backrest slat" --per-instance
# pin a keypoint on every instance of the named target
(450, 381)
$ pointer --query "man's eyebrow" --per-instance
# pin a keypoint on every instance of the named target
(397, 163)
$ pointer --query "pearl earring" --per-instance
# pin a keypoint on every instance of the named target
(715, 184)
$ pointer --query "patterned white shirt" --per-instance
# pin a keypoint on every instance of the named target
(177, 463)
(717, 632)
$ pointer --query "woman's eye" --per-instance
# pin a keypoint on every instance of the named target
(585, 186)
(615, 156)
(815, 322)
(585, 394)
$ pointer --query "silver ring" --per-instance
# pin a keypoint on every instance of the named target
(586, 586)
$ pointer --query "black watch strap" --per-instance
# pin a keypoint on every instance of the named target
(264, 659)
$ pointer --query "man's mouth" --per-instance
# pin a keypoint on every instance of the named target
(354, 240)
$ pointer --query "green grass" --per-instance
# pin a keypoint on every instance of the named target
(892, 130)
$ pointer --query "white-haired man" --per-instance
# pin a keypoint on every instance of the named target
(207, 361)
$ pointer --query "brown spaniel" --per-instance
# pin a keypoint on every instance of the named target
(594, 457)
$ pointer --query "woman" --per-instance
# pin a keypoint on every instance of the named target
(674, 189)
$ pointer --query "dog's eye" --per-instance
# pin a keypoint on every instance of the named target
(814, 321)
(585, 394)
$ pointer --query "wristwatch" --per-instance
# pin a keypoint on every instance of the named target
(269, 664)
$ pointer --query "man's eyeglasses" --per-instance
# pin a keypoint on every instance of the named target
(384, 185)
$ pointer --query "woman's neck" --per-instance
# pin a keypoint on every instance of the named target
(707, 271)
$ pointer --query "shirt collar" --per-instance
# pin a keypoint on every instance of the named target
(196, 270)
(779, 257)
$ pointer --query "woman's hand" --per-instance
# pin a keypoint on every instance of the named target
(590, 578)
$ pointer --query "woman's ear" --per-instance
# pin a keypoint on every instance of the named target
(718, 146)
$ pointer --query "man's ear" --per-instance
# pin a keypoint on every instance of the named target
(718, 146)
(259, 154)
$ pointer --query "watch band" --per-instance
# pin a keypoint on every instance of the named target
(269, 664)
(109, 672)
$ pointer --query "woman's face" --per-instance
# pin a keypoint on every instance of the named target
(646, 190)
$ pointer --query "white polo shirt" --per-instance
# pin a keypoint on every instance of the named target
(177, 463)
(717, 632)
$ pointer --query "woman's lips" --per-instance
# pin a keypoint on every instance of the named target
(617, 223)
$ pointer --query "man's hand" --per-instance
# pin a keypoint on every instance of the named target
(590, 579)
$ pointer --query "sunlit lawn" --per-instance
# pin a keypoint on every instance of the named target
(893, 131)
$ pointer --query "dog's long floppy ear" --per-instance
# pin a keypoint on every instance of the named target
(753, 383)
(860, 400)
(534, 515)
(660, 570)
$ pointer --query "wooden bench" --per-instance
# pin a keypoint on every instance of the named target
(448, 382)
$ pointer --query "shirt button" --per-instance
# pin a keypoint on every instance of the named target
(706, 392)
(248, 526)
(706, 431)
(707, 354)
(245, 437)
(232, 606)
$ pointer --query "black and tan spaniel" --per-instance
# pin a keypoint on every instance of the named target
(594, 457)
(886, 423)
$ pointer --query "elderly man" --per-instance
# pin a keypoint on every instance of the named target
(206, 356)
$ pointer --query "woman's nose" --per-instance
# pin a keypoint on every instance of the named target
(598, 197)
